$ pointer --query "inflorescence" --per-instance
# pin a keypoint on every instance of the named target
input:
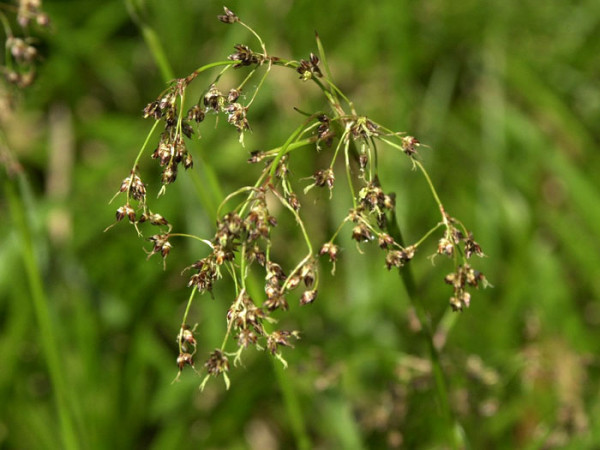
(21, 56)
(242, 234)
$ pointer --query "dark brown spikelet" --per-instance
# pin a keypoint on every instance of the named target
(229, 16)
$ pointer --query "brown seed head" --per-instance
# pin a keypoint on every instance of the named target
(229, 17)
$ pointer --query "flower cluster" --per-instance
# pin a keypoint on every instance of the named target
(456, 241)
(241, 245)
(21, 53)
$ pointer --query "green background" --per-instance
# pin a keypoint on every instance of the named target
(505, 94)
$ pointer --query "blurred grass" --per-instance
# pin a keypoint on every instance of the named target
(507, 96)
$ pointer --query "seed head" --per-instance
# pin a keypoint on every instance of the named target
(308, 297)
(185, 359)
(244, 57)
(217, 363)
(213, 99)
(124, 211)
(229, 17)
(280, 338)
(409, 145)
(324, 178)
(361, 233)
(196, 114)
(331, 250)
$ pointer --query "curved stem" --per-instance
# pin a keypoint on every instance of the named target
(192, 237)
(297, 132)
(187, 310)
(260, 83)
(429, 233)
(431, 187)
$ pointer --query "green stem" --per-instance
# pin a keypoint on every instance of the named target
(292, 146)
(455, 436)
(291, 401)
(292, 406)
(429, 233)
(297, 132)
(431, 187)
(152, 42)
(48, 335)
(158, 52)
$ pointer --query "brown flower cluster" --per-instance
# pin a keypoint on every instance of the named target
(19, 66)
(458, 243)
(241, 245)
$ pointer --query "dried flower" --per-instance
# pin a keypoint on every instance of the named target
(331, 250)
(185, 359)
(280, 338)
(244, 57)
(308, 297)
(229, 16)
(310, 68)
(217, 363)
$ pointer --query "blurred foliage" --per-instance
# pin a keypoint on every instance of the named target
(507, 96)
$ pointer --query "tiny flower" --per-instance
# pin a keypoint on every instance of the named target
(280, 338)
(274, 271)
(186, 338)
(161, 245)
(409, 145)
(308, 69)
(244, 57)
(397, 258)
(125, 211)
(217, 363)
(169, 174)
(277, 301)
(361, 233)
(293, 282)
(213, 99)
(324, 131)
(456, 304)
(188, 162)
(164, 152)
(229, 16)
(324, 178)
(196, 114)
(236, 115)
(472, 247)
(294, 202)
(445, 246)
(185, 359)
(256, 156)
(364, 128)
(153, 218)
(246, 337)
(385, 240)
(152, 110)
(331, 250)
(308, 297)
(233, 95)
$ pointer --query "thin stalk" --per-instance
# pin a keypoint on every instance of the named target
(297, 132)
(292, 406)
(291, 401)
(431, 187)
(46, 327)
(152, 41)
(454, 429)
(292, 146)
(260, 83)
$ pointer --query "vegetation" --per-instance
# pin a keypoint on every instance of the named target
(503, 100)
